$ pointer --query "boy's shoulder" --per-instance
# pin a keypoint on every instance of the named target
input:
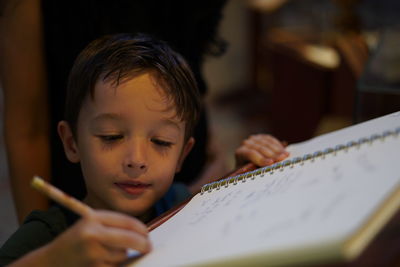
(38, 229)
(56, 219)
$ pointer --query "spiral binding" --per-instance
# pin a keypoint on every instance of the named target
(280, 166)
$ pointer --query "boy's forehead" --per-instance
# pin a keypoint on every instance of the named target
(148, 79)
(154, 97)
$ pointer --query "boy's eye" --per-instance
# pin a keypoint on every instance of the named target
(161, 142)
(110, 138)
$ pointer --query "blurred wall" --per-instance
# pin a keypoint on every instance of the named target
(231, 70)
(8, 217)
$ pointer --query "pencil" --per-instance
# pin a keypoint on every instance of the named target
(60, 197)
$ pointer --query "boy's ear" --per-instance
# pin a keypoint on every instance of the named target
(68, 140)
(186, 149)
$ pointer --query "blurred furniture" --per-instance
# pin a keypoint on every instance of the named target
(378, 91)
(308, 64)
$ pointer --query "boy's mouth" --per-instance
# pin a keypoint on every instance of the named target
(133, 188)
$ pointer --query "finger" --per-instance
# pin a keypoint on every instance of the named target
(113, 255)
(264, 149)
(282, 156)
(253, 156)
(118, 238)
(97, 254)
(270, 141)
(278, 146)
(119, 220)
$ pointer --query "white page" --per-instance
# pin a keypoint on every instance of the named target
(321, 202)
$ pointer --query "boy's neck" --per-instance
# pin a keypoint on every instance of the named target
(147, 216)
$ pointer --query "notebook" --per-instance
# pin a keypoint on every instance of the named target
(323, 204)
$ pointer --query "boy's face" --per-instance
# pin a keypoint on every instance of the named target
(130, 145)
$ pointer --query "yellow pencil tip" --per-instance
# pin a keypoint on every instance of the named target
(37, 182)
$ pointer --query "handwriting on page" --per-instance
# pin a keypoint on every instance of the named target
(245, 201)
(303, 195)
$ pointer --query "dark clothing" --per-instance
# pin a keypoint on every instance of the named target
(41, 227)
(38, 229)
(189, 27)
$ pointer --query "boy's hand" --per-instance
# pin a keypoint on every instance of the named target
(100, 239)
(260, 149)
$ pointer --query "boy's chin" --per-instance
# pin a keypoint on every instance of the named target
(134, 210)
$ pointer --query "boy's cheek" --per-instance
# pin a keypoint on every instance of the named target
(164, 183)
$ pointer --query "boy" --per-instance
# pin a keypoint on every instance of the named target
(131, 106)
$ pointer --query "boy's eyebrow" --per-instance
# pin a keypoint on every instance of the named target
(170, 122)
(107, 116)
(118, 117)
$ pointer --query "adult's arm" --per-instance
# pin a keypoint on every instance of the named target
(23, 78)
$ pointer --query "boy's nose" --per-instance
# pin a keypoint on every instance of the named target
(135, 160)
(137, 165)
(134, 167)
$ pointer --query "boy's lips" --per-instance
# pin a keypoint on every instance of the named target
(132, 188)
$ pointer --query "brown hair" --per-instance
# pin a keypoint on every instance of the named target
(123, 56)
